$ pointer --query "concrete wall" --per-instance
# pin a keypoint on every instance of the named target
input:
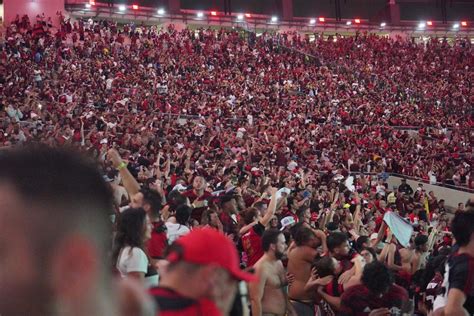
(32, 8)
(452, 197)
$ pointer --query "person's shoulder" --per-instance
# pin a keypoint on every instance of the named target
(351, 294)
(188, 193)
(184, 229)
(354, 290)
(135, 251)
(398, 292)
(207, 194)
(460, 258)
(460, 263)
(261, 265)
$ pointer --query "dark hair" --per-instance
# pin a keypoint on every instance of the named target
(324, 266)
(332, 226)
(270, 236)
(65, 190)
(303, 235)
(226, 198)
(377, 277)
(183, 212)
(130, 225)
(359, 244)
(153, 199)
(259, 204)
(420, 240)
(294, 229)
(51, 175)
(175, 199)
(250, 215)
(336, 239)
(371, 250)
(462, 227)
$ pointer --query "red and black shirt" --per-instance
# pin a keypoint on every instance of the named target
(252, 244)
(171, 303)
(359, 301)
(197, 212)
(158, 241)
(461, 277)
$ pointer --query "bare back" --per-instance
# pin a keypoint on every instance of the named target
(299, 264)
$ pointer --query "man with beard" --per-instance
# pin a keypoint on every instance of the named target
(268, 295)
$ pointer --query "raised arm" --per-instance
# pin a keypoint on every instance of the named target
(271, 208)
(129, 182)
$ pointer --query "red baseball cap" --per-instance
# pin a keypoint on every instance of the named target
(209, 246)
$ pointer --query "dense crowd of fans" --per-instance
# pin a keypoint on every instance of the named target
(201, 134)
(243, 98)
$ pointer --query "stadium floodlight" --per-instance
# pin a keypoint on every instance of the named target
(422, 25)
(161, 11)
(240, 17)
(383, 24)
(88, 5)
(200, 14)
(349, 23)
(122, 8)
(274, 19)
(312, 21)
(456, 26)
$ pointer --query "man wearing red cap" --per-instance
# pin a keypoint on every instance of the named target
(202, 275)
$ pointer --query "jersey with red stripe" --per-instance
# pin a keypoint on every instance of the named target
(171, 303)
(461, 277)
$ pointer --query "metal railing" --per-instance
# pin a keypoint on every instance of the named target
(254, 21)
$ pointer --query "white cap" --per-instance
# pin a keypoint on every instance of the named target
(179, 187)
(287, 221)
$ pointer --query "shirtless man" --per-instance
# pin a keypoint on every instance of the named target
(300, 259)
(398, 259)
(268, 297)
(420, 254)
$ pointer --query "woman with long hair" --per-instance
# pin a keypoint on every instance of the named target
(129, 252)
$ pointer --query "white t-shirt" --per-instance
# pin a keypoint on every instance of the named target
(108, 83)
(174, 231)
(135, 260)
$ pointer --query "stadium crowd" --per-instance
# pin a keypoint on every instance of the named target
(223, 149)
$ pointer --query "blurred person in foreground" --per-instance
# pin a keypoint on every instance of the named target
(459, 277)
(54, 235)
(202, 275)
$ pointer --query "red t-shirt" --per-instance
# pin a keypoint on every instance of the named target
(358, 301)
(252, 244)
(334, 288)
(158, 241)
(170, 303)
